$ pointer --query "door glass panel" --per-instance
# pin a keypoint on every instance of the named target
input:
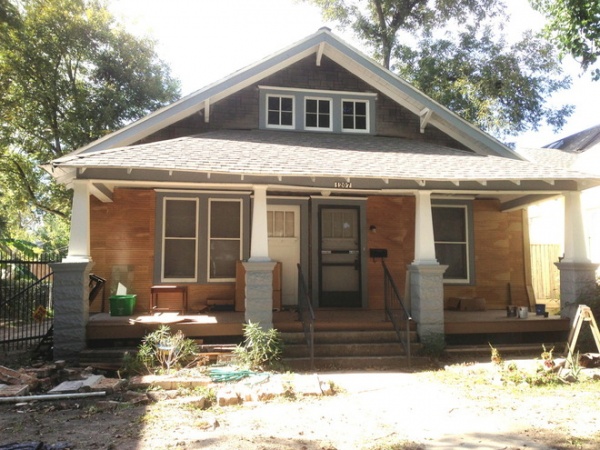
(340, 269)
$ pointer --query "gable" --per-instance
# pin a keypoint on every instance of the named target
(319, 46)
(241, 110)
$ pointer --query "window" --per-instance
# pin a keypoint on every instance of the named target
(180, 240)
(316, 110)
(281, 224)
(355, 116)
(280, 111)
(317, 114)
(225, 238)
(451, 231)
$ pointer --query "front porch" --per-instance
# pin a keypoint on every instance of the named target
(459, 326)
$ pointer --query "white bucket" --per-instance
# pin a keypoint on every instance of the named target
(523, 311)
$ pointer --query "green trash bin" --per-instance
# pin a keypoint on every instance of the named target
(122, 305)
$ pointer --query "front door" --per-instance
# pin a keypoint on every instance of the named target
(339, 262)
(284, 246)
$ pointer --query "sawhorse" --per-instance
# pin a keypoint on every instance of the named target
(584, 314)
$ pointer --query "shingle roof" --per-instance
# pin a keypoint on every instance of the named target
(281, 153)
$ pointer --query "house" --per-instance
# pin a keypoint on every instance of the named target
(581, 152)
(315, 156)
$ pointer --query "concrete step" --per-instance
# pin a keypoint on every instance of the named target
(347, 350)
(340, 337)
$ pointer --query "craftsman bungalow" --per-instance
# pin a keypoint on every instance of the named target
(315, 156)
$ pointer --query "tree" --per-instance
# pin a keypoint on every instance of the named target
(574, 27)
(499, 86)
(69, 74)
(451, 51)
(378, 22)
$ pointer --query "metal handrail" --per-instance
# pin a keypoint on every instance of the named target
(307, 316)
(393, 306)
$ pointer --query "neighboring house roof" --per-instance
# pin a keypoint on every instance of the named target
(579, 151)
(579, 142)
(321, 43)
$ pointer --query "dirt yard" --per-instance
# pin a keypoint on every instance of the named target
(461, 406)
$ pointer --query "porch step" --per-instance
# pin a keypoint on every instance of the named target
(347, 350)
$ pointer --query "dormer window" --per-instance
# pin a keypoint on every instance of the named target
(314, 110)
(355, 115)
(280, 111)
(317, 114)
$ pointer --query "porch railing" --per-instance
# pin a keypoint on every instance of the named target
(307, 316)
(26, 309)
(396, 311)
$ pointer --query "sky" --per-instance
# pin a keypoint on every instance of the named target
(205, 40)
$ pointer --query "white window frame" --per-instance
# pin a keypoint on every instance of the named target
(367, 116)
(164, 239)
(466, 243)
(279, 126)
(209, 238)
(319, 99)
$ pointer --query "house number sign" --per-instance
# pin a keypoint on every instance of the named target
(342, 185)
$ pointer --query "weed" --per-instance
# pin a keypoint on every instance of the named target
(161, 351)
(261, 348)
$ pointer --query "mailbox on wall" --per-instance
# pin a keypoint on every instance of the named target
(378, 252)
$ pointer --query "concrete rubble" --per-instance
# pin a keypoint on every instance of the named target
(56, 381)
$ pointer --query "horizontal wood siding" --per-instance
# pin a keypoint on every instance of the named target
(122, 234)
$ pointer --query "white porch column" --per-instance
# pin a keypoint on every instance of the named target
(259, 267)
(577, 273)
(259, 244)
(79, 242)
(575, 246)
(424, 241)
(426, 277)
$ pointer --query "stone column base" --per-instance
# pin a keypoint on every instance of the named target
(71, 308)
(259, 293)
(427, 300)
(576, 280)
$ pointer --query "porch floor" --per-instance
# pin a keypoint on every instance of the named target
(103, 326)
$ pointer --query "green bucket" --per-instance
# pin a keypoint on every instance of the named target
(122, 305)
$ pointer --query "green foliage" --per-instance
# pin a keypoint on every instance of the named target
(69, 74)
(261, 348)
(499, 87)
(546, 372)
(455, 52)
(162, 351)
(574, 27)
(378, 22)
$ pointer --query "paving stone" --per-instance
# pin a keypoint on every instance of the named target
(307, 385)
(108, 385)
(67, 387)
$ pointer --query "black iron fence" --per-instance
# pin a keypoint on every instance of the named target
(26, 309)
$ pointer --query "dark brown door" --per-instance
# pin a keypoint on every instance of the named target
(339, 261)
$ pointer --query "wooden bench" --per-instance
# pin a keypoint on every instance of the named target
(156, 291)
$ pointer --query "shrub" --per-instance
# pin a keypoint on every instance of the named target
(163, 351)
(260, 349)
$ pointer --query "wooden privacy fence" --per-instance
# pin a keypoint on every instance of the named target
(545, 275)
